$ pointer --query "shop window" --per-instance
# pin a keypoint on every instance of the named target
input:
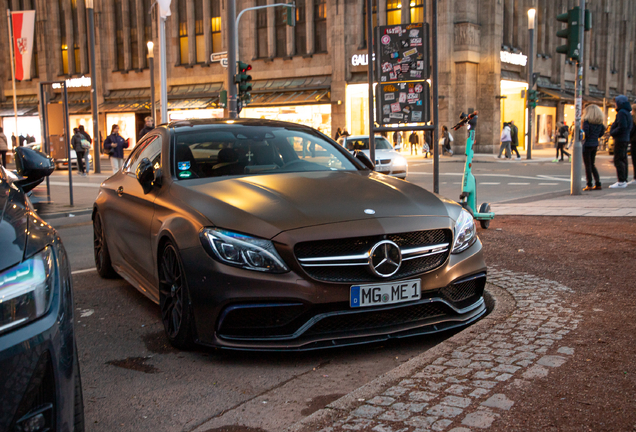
(119, 35)
(417, 11)
(217, 41)
(393, 12)
(300, 31)
(320, 26)
(281, 33)
(183, 32)
(261, 29)
(374, 18)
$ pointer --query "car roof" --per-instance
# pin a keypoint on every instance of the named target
(363, 136)
(183, 125)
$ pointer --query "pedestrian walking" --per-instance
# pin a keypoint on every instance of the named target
(397, 140)
(505, 142)
(426, 149)
(594, 129)
(414, 140)
(76, 142)
(87, 148)
(561, 142)
(114, 145)
(149, 125)
(445, 141)
(632, 140)
(4, 147)
(514, 138)
(338, 134)
(620, 131)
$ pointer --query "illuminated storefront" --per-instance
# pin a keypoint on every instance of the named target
(195, 114)
(513, 107)
(358, 109)
(545, 125)
(27, 125)
(315, 116)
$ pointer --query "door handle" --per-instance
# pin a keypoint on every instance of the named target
(120, 191)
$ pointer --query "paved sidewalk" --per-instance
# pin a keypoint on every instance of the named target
(462, 384)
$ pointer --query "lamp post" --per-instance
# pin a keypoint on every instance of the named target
(531, 16)
(151, 64)
(94, 108)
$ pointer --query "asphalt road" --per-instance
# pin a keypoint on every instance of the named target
(133, 380)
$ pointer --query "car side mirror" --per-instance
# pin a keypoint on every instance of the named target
(145, 175)
(33, 165)
(364, 159)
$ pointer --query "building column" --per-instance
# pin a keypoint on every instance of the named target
(207, 30)
(126, 34)
(271, 30)
(626, 27)
(406, 11)
(309, 26)
(70, 42)
(83, 37)
(192, 37)
(381, 11)
(142, 48)
(336, 20)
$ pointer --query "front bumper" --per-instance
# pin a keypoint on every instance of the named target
(241, 309)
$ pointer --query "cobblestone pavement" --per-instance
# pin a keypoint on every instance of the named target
(466, 390)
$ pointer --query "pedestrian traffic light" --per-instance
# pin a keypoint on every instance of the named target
(289, 15)
(242, 79)
(533, 97)
(572, 19)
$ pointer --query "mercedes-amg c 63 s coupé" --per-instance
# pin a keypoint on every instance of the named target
(265, 235)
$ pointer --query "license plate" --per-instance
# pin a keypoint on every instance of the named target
(385, 293)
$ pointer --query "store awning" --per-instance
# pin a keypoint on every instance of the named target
(27, 104)
(292, 84)
(292, 91)
(291, 98)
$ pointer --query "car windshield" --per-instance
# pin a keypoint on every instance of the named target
(363, 144)
(239, 150)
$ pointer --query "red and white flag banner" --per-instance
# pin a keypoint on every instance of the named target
(23, 23)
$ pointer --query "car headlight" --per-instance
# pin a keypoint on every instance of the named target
(26, 290)
(399, 160)
(244, 251)
(465, 232)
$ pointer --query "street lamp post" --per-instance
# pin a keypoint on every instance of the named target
(94, 108)
(151, 64)
(531, 16)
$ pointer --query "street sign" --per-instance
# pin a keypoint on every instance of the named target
(215, 57)
(224, 62)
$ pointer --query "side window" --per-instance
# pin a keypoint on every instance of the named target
(135, 154)
(151, 150)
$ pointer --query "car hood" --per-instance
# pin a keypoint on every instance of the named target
(266, 205)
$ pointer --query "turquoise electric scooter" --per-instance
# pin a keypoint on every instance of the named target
(468, 197)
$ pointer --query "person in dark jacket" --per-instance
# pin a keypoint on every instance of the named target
(414, 140)
(561, 141)
(514, 136)
(594, 129)
(114, 145)
(150, 125)
(76, 143)
(620, 130)
(632, 140)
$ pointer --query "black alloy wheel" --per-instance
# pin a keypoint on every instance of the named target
(102, 256)
(174, 301)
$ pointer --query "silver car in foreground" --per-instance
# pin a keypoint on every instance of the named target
(387, 160)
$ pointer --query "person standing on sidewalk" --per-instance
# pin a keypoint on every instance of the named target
(620, 130)
(116, 144)
(148, 126)
(445, 141)
(594, 129)
(632, 140)
(414, 141)
(505, 141)
(561, 141)
(76, 142)
(514, 138)
(4, 147)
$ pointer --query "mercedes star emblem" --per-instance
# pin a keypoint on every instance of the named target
(385, 259)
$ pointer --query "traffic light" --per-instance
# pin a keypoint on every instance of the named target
(533, 97)
(289, 15)
(242, 79)
(572, 19)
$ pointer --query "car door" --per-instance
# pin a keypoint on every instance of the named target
(133, 212)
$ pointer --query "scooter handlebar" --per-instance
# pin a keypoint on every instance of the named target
(465, 119)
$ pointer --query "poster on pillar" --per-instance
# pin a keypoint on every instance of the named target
(403, 102)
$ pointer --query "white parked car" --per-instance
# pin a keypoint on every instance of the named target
(387, 160)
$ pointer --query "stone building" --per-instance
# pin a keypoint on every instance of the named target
(315, 73)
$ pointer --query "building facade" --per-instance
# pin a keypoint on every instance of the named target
(315, 73)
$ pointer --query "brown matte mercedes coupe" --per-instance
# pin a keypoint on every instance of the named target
(264, 235)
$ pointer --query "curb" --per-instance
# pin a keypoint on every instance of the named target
(80, 212)
(497, 299)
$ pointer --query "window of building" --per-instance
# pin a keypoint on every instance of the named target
(261, 29)
(76, 36)
(63, 45)
(198, 31)
(134, 42)
(217, 40)
(119, 34)
(300, 31)
(417, 11)
(183, 31)
(320, 26)
(393, 12)
(281, 33)
(147, 20)
(374, 18)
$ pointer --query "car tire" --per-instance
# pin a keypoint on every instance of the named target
(174, 299)
(484, 208)
(78, 409)
(103, 263)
